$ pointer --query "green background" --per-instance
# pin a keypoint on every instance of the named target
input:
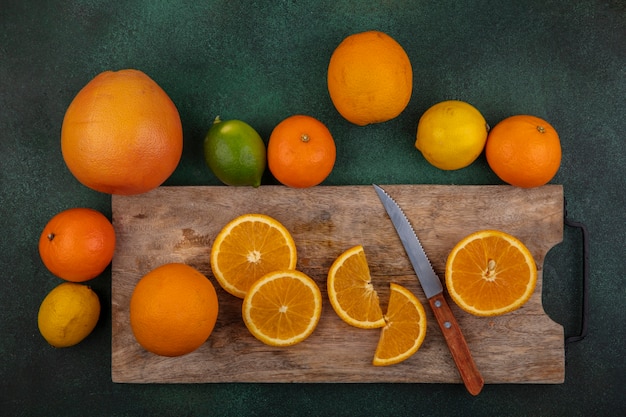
(261, 61)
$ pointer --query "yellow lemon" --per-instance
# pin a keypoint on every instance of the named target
(68, 314)
(451, 134)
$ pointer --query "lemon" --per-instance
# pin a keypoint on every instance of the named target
(451, 134)
(68, 314)
(235, 153)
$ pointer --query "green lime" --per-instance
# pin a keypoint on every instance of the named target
(235, 153)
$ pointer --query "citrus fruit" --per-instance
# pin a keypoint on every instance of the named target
(370, 78)
(405, 327)
(173, 310)
(301, 152)
(122, 134)
(249, 247)
(282, 308)
(451, 134)
(524, 151)
(68, 314)
(490, 272)
(235, 153)
(77, 244)
(351, 292)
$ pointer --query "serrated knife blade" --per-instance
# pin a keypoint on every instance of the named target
(421, 264)
(433, 289)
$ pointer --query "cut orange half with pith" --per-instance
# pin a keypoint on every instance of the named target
(282, 308)
(249, 247)
(490, 273)
(405, 328)
(351, 292)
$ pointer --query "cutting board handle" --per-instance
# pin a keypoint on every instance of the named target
(585, 301)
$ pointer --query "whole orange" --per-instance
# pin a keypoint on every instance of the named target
(122, 134)
(173, 310)
(370, 78)
(301, 152)
(524, 151)
(77, 244)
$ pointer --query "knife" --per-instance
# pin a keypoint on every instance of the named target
(431, 284)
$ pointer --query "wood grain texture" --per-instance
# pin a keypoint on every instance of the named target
(178, 224)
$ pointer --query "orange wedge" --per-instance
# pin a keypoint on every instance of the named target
(351, 292)
(405, 328)
(249, 247)
(490, 273)
(282, 308)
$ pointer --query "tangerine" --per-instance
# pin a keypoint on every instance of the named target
(370, 78)
(524, 151)
(173, 310)
(77, 244)
(301, 152)
(122, 134)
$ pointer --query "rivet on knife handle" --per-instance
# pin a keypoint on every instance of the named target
(433, 289)
(470, 374)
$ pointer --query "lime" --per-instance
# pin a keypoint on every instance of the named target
(235, 153)
(68, 314)
(451, 134)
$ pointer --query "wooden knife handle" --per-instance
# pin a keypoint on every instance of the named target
(470, 374)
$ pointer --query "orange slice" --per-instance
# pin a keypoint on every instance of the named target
(282, 308)
(490, 273)
(351, 292)
(249, 247)
(405, 328)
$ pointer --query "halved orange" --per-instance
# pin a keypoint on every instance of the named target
(249, 247)
(490, 273)
(282, 308)
(351, 292)
(405, 328)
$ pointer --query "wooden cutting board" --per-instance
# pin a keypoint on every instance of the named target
(178, 224)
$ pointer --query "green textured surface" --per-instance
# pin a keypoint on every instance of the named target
(564, 61)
